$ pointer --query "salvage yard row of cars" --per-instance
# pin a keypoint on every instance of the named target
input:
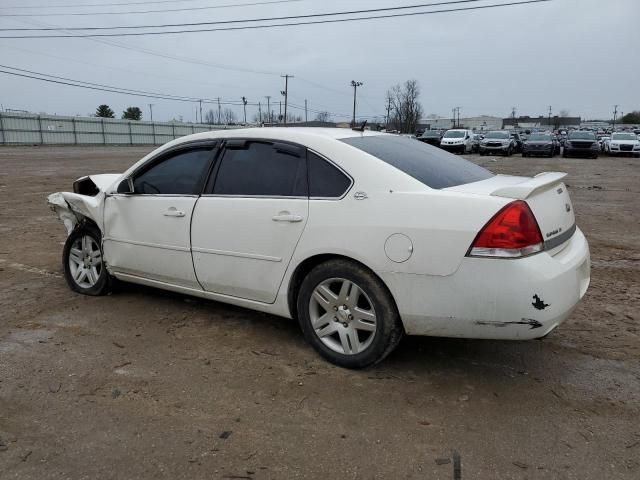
(508, 142)
(361, 236)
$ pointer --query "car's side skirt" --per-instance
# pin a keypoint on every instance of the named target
(279, 307)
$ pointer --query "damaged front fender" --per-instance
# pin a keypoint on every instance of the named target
(72, 208)
(87, 203)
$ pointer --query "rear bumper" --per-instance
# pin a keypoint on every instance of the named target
(516, 299)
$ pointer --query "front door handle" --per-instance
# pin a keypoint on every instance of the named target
(287, 217)
(173, 212)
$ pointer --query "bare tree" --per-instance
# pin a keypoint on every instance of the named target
(564, 113)
(228, 116)
(323, 117)
(406, 111)
(210, 117)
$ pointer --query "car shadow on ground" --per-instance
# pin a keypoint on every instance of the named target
(418, 355)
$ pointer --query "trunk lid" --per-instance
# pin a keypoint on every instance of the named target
(546, 195)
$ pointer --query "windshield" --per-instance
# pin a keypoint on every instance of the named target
(426, 163)
(431, 133)
(454, 134)
(582, 136)
(540, 137)
(501, 135)
(623, 136)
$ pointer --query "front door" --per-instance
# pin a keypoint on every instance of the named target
(246, 226)
(147, 232)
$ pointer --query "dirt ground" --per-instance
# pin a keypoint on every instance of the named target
(147, 384)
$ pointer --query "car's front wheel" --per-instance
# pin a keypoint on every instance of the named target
(83, 263)
(348, 315)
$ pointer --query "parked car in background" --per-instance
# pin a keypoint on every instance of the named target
(432, 137)
(475, 144)
(436, 245)
(624, 143)
(581, 143)
(517, 142)
(604, 143)
(457, 140)
(498, 141)
(540, 144)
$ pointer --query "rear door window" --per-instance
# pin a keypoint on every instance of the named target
(262, 169)
(427, 164)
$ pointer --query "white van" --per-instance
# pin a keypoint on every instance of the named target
(457, 140)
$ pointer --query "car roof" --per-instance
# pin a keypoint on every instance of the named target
(283, 133)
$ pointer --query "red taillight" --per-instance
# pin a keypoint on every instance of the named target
(512, 232)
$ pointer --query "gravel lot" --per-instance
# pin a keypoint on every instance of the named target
(149, 384)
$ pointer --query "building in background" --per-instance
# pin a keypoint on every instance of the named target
(481, 123)
(525, 122)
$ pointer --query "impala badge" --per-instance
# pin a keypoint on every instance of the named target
(360, 196)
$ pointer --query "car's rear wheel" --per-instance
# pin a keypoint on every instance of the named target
(83, 263)
(348, 315)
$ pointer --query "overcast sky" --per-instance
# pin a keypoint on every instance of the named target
(577, 55)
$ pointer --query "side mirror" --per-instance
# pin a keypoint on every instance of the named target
(125, 186)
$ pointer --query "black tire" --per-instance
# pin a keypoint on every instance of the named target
(595, 157)
(101, 286)
(564, 154)
(524, 155)
(509, 152)
(389, 330)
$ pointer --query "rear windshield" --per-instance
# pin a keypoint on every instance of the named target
(503, 135)
(427, 164)
(431, 134)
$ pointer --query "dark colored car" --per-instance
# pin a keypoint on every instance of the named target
(581, 143)
(517, 140)
(540, 144)
(432, 137)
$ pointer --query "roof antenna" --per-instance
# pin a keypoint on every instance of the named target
(361, 127)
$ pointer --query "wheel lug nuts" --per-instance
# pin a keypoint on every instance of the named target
(335, 308)
(350, 317)
(345, 324)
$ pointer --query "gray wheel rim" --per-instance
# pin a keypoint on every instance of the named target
(85, 261)
(342, 316)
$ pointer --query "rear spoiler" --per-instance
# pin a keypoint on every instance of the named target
(524, 190)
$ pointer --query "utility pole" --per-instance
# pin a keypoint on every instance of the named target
(244, 105)
(200, 110)
(355, 86)
(513, 116)
(151, 110)
(549, 121)
(305, 110)
(615, 116)
(269, 117)
(280, 114)
(260, 113)
(388, 113)
(286, 93)
(453, 118)
(458, 110)
(219, 112)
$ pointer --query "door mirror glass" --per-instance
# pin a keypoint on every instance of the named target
(125, 186)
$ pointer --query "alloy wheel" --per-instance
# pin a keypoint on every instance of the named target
(342, 316)
(85, 261)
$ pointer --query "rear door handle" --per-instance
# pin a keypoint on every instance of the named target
(173, 212)
(287, 217)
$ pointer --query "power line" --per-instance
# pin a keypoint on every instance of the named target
(91, 5)
(24, 73)
(247, 20)
(137, 12)
(290, 24)
(20, 72)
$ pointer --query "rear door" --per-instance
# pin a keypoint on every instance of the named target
(246, 226)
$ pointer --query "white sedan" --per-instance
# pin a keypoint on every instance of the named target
(361, 236)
